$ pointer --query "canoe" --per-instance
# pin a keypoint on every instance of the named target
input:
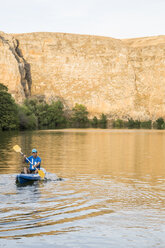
(27, 178)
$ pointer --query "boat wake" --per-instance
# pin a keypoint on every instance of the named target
(52, 177)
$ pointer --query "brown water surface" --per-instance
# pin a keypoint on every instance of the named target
(112, 195)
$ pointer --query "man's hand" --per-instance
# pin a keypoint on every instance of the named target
(37, 164)
(24, 157)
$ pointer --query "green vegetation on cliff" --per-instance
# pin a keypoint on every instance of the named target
(34, 114)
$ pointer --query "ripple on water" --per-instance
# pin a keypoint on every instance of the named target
(80, 205)
(44, 208)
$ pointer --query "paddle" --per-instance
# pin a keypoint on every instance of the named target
(18, 149)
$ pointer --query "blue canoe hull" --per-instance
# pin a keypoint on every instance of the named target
(27, 178)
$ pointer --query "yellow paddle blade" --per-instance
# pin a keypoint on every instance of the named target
(17, 148)
(41, 174)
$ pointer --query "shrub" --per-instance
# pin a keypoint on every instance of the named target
(8, 110)
(133, 124)
(118, 123)
(146, 124)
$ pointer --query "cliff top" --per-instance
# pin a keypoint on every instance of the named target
(133, 42)
(145, 41)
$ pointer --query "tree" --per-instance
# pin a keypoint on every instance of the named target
(160, 124)
(55, 115)
(94, 122)
(27, 120)
(32, 105)
(48, 116)
(133, 124)
(42, 115)
(3, 87)
(8, 110)
(103, 121)
(80, 116)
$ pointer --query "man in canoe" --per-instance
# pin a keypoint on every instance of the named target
(34, 163)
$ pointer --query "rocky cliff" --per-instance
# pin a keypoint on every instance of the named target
(121, 78)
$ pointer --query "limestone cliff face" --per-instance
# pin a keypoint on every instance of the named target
(121, 78)
(14, 70)
(147, 57)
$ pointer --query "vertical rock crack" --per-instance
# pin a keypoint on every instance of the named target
(23, 65)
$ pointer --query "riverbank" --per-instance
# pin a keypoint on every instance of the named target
(34, 114)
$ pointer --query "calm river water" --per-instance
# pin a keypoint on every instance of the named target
(112, 193)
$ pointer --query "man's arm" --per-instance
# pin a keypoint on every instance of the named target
(24, 159)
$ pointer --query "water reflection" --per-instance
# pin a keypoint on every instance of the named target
(115, 153)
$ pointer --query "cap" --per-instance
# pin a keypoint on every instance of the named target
(34, 150)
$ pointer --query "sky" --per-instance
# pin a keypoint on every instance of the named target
(112, 18)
